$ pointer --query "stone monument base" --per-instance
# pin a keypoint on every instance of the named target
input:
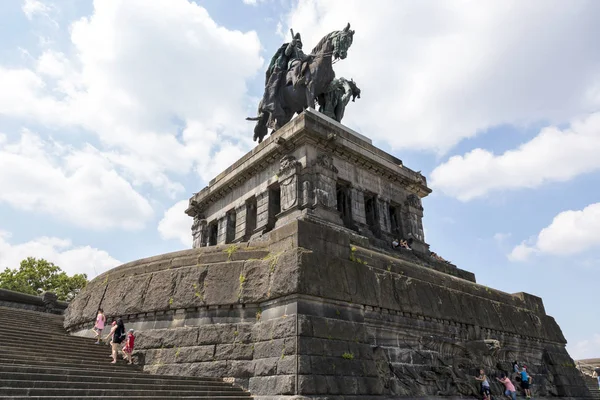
(311, 311)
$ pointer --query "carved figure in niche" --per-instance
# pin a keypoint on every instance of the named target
(322, 197)
(415, 229)
(414, 201)
(307, 194)
(326, 161)
(288, 162)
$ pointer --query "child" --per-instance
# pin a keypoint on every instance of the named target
(526, 381)
(510, 391)
(485, 385)
(129, 342)
(99, 326)
(112, 329)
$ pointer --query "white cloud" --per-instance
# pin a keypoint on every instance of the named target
(554, 155)
(585, 349)
(70, 258)
(80, 186)
(433, 74)
(570, 232)
(175, 224)
(137, 80)
(34, 7)
(501, 238)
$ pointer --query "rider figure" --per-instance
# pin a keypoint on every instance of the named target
(289, 56)
(296, 57)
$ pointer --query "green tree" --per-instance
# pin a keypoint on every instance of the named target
(35, 276)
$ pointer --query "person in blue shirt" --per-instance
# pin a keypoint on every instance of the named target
(525, 381)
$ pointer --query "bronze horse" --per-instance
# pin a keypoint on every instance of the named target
(318, 74)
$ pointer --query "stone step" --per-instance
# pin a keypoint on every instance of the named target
(88, 347)
(58, 353)
(69, 376)
(242, 397)
(33, 324)
(71, 359)
(50, 362)
(39, 359)
(28, 313)
(30, 325)
(9, 329)
(129, 386)
(116, 391)
(114, 372)
(39, 335)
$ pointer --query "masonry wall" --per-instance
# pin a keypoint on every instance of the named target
(312, 311)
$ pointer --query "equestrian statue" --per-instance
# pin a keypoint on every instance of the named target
(295, 81)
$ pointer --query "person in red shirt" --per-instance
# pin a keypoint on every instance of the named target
(128, 349)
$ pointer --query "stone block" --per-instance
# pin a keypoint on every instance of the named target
(222, 282)
(159, 291)
(273, 385)
(274, 348)
(235, 351)
(242, 369)
(266, 366)
(274, 329)
(286, 365)
(217, 333)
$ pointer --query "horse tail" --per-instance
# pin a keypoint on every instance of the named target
(260, 130)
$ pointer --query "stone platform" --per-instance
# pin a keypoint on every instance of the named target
(293, 290)
(313, 311)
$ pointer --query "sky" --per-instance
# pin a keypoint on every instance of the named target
(114, 112)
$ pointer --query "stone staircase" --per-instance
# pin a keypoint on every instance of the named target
(592, 384)
(39, 360)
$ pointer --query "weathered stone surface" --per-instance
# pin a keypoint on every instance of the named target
(273, 385)
(159, 292)
(234, 352)
(221, 282)
(189, 287)
(126, 295)
(85, 307)
(344, 323)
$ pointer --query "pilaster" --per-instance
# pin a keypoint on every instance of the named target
(240, 226)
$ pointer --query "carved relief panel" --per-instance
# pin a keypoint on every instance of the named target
(289, 182)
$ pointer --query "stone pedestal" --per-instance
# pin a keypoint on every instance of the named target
(308, 312)
(294, 291)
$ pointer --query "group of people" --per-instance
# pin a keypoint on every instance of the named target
(509, 388)
(117, 337)
(403, 244)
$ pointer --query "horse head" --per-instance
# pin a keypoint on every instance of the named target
(335, 43)
(342, 42)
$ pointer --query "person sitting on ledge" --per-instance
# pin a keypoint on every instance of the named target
(403, 244)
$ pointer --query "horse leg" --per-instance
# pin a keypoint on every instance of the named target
(310, 95)
(283, 119)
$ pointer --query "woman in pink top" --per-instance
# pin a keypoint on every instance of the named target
(510, 392)
(99, 326)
